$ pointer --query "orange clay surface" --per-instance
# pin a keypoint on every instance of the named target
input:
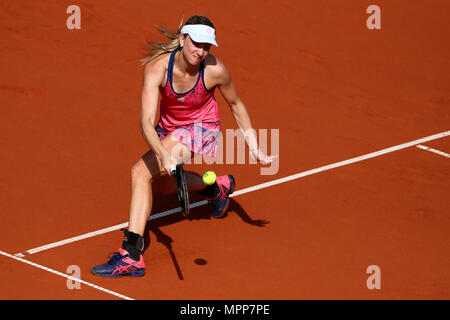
(69, 134)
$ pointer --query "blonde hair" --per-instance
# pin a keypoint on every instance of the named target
(156, 48)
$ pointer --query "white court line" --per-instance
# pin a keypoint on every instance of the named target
(246, 190)
(65, 276)
(105, 230)
(433, 150)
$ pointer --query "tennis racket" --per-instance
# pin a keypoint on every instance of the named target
(182, 189)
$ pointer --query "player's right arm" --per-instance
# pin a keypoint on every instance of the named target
(154, 75)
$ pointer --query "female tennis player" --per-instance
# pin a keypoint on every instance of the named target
(186, 75)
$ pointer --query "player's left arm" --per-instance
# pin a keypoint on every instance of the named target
(228, 90)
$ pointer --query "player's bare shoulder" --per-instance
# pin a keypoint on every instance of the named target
(216, 70)
(156, 70)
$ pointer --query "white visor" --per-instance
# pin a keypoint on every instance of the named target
(200, 33)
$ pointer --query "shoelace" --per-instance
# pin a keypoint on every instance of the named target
(114, 257)
(223, 192)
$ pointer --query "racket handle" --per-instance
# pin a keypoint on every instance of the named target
(173, 170)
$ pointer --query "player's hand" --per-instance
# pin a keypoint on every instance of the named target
(260, 156)
(168, 162)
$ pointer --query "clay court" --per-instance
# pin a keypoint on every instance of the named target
(353, 103)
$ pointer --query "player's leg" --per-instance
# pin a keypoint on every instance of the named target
(165, 185)
(128, 261)
(219, 192)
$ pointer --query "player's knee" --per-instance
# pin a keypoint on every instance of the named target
(139, 172)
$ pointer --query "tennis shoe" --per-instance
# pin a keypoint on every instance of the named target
(220, 203)
(119, 265)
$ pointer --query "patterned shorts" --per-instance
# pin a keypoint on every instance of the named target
(199, 137)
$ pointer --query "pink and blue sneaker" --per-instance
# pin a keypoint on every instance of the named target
(119, 265)
(220, 203)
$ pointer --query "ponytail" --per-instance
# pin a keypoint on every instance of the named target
(157, 48)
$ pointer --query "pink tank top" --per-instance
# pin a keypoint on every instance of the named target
(195, 105)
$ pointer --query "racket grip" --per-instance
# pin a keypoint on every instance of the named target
(173, 170)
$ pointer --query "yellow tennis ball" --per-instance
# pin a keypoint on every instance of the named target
(209, 178)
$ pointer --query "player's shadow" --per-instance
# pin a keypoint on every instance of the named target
(169, 201)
